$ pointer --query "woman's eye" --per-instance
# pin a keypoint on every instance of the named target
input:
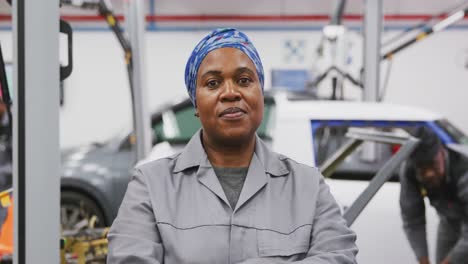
(244, 81)
(212, 83)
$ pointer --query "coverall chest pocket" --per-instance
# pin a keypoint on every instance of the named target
(278, 243)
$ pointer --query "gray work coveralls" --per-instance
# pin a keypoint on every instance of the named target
(175, 211)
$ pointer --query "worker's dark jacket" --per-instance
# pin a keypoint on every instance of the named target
(450, 201)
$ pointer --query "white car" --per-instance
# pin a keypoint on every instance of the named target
(309, 131)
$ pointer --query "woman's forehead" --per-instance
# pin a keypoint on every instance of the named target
(226, 59)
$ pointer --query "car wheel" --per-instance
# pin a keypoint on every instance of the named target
(76, 207)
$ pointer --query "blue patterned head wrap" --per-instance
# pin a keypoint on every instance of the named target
(219, 38)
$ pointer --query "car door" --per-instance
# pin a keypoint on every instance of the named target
(381, 238)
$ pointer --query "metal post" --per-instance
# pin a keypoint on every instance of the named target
(36, 156)
(372, 30)
(141, 117)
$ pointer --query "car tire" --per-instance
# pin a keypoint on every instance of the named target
(75, 207)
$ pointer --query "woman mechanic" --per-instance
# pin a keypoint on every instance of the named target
(227, 198)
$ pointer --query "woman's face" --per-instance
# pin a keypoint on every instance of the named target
(229, 96)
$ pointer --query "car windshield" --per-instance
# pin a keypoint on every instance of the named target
(457, 135)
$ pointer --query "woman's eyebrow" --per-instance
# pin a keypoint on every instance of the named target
(212, 72)
(243, 70)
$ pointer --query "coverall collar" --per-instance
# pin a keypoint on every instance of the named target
(263, 162)
(194, 155)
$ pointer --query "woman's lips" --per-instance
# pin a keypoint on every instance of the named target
(236, 115)
(233, 113)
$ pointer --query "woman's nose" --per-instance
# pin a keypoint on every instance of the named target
(230, 92)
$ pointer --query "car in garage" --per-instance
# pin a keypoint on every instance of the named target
(95, 177)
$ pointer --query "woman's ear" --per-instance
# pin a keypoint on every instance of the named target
(196, 113)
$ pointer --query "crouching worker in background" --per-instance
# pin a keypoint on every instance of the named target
(440, 174)
(227, 198)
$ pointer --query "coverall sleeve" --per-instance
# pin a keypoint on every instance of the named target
(459, 253)
(332, 241)
(134, 237)
(413, 213)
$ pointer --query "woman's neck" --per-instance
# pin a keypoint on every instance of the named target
(229, 155)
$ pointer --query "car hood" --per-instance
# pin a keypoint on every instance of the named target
(91, 159)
